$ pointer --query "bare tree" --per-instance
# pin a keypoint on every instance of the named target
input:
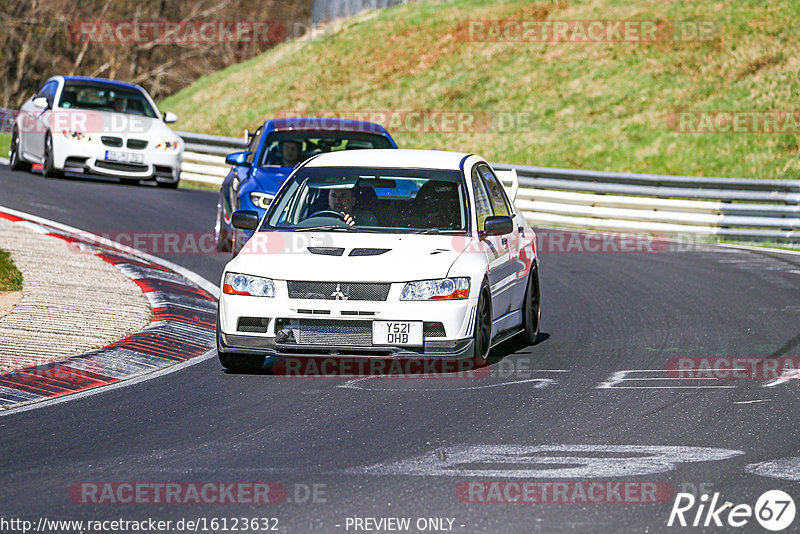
(39, 39)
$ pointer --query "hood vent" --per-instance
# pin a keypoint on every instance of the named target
(368, 251)
(326, 251)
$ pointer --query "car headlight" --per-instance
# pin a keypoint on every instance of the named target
(167, 145)
(261, 200)
(76, 136)
(244, 284)
(446, 288)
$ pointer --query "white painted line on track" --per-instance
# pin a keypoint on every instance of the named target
(625, 376)
(761, 249)
(787, 375)
(547, 461)
(354, 384)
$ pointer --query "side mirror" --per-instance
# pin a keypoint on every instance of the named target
(170, 117)
(238, 158)
(498, 225)
(41, 102)
(245, 220)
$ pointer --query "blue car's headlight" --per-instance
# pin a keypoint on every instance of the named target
(245, 284)
(446, 288)
(261, 200)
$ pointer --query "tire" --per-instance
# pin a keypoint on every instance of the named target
(482, 335)
(532, 309)
(168, 185)
(14, 159)
(48, 166)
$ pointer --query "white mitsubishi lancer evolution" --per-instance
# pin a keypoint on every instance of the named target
(381, 254)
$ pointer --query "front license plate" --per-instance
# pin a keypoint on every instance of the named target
(124, 157)
(397, 333)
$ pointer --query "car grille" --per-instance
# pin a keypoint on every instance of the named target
(111, 141)
(433, 329)
(326, 251)
(137, 144)
(333, 332)
(343, 290)
(116, 166)
(368, 251)
(324, 332)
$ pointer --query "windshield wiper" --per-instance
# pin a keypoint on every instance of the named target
(327, 228)
(438, 231)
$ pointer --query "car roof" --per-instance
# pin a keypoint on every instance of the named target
(288, 124)
(100, 80)
(390, 158)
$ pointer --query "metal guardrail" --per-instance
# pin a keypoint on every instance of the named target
(733, 208)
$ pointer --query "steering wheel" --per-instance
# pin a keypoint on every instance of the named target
(327, 213)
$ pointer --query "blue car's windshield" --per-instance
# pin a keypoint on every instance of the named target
(287, 149)
(372, 199)
(105, 97)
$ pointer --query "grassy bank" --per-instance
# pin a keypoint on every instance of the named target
(10, 277)
(5, 145)
(601, 105)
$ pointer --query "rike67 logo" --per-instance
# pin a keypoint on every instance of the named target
(774, 510)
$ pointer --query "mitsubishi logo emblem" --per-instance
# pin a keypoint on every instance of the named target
(339, 295)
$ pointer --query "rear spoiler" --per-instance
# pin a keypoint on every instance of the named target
(510, 181)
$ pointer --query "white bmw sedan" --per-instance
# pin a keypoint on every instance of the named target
(381, 254)
(98, 126)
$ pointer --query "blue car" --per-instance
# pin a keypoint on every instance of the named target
(275, 149)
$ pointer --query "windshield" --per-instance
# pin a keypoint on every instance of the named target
(287, 149)
(369, 199)
(105, 97)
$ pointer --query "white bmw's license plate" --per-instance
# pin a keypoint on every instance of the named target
(397, 333)
(124, 157)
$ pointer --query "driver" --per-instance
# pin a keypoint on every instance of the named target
(344, 202)
(290, 153)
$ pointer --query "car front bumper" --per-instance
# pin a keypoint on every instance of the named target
(448, 326)
(89, 157)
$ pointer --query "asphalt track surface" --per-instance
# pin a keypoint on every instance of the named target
(400, 447)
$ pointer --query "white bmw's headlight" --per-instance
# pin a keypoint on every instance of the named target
(261, 200)
(245, 284)
(446, 288)
(76, 136)
(167, 145)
